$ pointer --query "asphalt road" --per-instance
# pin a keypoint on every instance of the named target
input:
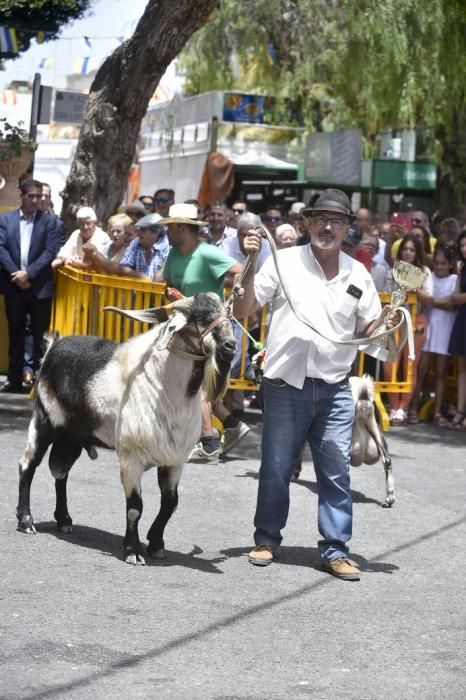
(78, 623)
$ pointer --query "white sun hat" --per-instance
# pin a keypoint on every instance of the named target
(183, 214)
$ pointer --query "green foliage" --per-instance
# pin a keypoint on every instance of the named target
(276, 47)
(348, 62)
(13, 140)
(28, 17)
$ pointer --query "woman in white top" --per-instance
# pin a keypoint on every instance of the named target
(410, 251)
(72, 252)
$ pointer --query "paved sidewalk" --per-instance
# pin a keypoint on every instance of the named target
(16, 404)
(79, 623)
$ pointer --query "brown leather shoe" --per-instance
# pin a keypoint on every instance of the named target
(342, 568)
(262, 555)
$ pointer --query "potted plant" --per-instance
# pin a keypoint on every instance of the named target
(16, 149)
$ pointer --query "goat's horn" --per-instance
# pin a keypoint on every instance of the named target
(155, 315)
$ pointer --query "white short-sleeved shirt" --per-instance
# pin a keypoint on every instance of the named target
(73, 248)
(294, 351)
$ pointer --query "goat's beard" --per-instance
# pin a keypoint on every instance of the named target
(217, 372)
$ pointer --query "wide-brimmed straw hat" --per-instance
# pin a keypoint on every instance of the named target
(332, 200)
(183, 214)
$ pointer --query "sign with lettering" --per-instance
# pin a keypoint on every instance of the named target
(69, 107)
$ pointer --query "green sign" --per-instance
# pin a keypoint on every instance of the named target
(401, 175)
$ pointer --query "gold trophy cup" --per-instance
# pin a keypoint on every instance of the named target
(407, 277)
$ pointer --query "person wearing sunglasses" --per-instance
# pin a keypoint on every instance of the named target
(420, 218)
(147, 202)
(163, 199)
(272, 218)
(239, 208)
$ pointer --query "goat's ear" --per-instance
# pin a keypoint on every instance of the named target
(158, 314)
(175, 323)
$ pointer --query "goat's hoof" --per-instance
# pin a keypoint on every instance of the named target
(159, 554)
(135, 559)
(65, 528)
(26, 525)
(389, 502)
(92, 452)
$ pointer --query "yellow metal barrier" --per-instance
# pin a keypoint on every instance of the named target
(80, 297)
(391, 384)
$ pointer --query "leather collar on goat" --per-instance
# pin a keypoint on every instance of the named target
(187, 335)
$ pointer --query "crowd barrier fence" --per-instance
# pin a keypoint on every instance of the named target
(81, 296)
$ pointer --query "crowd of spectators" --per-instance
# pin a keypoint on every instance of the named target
(137, 241)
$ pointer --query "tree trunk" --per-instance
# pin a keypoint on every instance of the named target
(118, 101)
(451, 189)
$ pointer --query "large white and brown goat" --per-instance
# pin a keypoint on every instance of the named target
(141, 398)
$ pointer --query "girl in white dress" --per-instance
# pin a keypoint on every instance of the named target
(440, 319)
(411, 251)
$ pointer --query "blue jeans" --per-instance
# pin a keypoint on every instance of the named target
(323, 414)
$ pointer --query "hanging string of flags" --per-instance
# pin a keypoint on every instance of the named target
(8, 41)
(83, 65)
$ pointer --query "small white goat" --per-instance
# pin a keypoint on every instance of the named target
(368, 443)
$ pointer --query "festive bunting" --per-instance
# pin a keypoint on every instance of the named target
(84, 65)
(87, 41)
(8, 97)
(8, 42)
(45, 63)
(43, 36)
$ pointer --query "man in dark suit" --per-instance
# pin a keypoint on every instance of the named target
(28, 244)
(46, 205)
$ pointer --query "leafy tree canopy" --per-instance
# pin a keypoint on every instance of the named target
(28, 17)
(373, 64)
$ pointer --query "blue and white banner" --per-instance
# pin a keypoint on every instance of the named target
(8, 42)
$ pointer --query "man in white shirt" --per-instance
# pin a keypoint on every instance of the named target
(305, 389)
(72, 253)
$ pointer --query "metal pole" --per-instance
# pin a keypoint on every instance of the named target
(34, 113)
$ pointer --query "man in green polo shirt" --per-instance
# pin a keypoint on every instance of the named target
(192, 267)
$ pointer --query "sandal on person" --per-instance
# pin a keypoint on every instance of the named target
(413, 418)
(456, 421)
(440, 421)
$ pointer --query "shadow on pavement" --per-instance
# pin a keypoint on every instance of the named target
(250, 612)
(357, 496)
(12, 421)
(427, 433)
(309, 557)
(109, 544)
